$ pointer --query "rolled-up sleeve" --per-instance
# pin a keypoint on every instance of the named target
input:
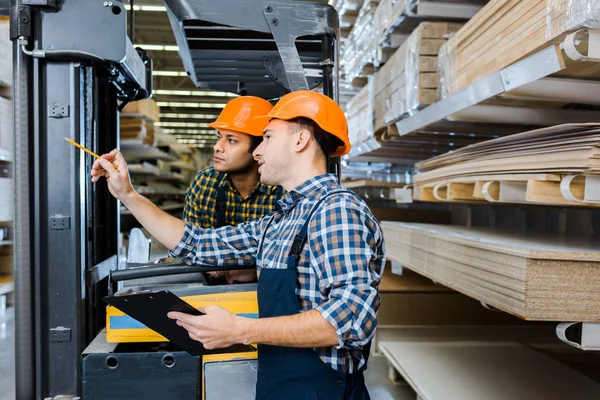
(226, 246)
(347, 254)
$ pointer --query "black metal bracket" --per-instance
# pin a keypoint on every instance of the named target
(277, 72)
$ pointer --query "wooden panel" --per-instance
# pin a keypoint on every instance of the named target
(535, 278)
(504, 32)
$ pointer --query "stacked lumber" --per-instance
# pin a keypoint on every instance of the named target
(6, 261)
(360, 115)
(531, 167)
(137, 121)
(569, 148)
(535, 278)
(5, 53)
(6, 124)
(146, 108)
(504, 32)
(408, 80)
(7, 194)
(360, 48)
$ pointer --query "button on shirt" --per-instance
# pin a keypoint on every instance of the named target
(339, 269)
(201, 200)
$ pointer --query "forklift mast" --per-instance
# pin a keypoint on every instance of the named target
(74, 68)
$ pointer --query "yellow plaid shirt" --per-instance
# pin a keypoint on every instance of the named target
(201, 200)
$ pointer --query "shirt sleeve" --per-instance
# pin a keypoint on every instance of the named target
(347, 253)
(226, 246)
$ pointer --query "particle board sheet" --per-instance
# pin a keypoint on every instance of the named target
(485, 370)
(408, 80)
(570, 148)
(413, 300)
(533, 277)
(505, 31)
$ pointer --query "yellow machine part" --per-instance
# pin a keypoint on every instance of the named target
(120, 328)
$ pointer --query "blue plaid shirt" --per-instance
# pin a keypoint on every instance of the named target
(339, 269)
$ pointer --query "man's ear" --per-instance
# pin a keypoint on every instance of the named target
(302, 140)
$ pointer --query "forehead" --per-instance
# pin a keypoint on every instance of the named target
(228, 133)
(277, 125)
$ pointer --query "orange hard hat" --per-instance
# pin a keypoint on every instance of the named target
(317, 107)
(238, 115)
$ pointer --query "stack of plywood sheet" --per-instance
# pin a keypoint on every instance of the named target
(505, 31)
(556, 166)
(408, 80)
(360, 48)
(137, 121)
(569, 148)
(535, 278)
(360, 115)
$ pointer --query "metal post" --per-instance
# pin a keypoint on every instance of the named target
(330, 89)
(24, 323)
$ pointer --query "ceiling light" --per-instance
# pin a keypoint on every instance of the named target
(189, 116)
(181, 124)
(169, 73)
(146, 8)
(208, 93)
(157, 47)
(189, 105)
(193, 131)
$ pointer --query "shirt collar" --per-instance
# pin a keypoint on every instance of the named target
(305, 189)
(261, 187)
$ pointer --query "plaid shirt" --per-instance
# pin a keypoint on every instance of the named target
(339, 269)
(201, 200)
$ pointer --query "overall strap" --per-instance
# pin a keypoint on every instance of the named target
(300, 239)
(220, 207)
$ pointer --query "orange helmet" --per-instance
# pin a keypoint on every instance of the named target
(238, 115)
(317, 107)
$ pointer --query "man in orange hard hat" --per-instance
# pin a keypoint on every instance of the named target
(319, 258)
(230, 191)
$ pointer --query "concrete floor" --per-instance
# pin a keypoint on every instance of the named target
(376, 375)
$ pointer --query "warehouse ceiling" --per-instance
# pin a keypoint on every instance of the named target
(185, 109)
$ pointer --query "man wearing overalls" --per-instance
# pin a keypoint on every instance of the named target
(230, 191)
(319, 259)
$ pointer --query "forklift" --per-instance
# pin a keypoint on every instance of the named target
(74, 70)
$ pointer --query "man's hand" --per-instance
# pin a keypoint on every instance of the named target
(118, 181)
(217, 329)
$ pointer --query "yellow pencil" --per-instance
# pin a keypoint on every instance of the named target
(91, 153)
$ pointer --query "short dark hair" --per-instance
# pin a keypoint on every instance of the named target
(255, 141)
(327, 142)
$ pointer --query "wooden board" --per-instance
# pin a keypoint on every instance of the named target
(506, 31)
(539, 159)
(143, 108)
(408, 80)
(535, 278)
(485, 370)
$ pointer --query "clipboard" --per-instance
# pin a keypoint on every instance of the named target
(151, 308)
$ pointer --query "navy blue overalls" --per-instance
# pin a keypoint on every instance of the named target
(289, 373)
